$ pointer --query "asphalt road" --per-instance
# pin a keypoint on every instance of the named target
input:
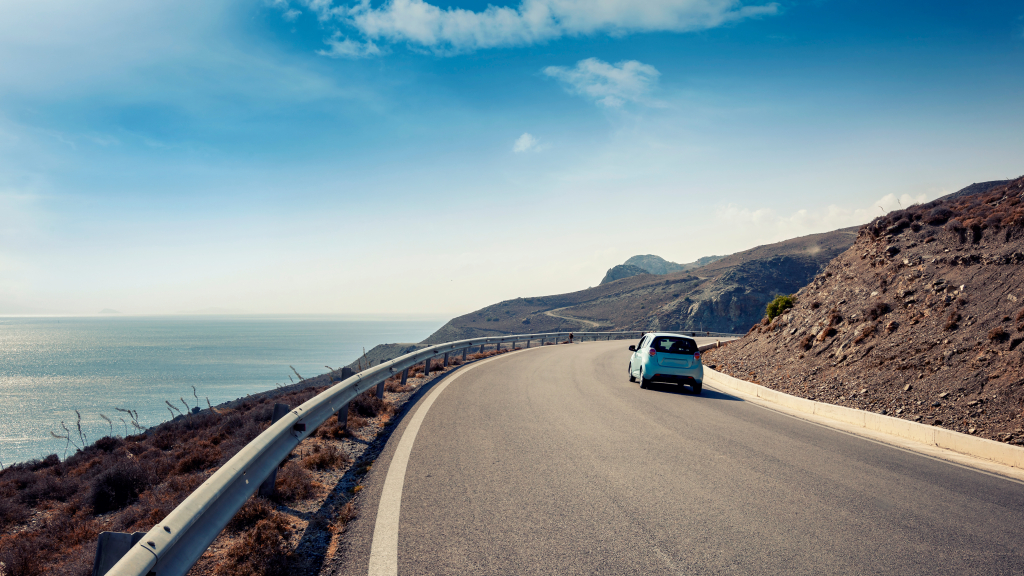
(550, 461)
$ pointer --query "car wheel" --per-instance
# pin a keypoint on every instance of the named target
(697, 388)
(630, 369)
(644, 382)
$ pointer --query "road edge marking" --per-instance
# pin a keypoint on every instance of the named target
(384, 543)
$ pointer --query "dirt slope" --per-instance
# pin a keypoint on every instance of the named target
(922, 318)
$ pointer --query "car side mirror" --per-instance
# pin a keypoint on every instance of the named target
(632, 348)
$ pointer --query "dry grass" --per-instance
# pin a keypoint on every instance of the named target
(293, 483)
(254, 510)
(324, 457)
(261, 551)
(998, 334)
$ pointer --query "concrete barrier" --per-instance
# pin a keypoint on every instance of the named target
(1005, 454)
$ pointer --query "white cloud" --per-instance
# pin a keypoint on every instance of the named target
(525, 143)
(768, 224)
(291, 15)
(611, 85)
(339, 47)
(533, 21)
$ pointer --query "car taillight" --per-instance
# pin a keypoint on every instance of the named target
(653, 351)
(696, 355)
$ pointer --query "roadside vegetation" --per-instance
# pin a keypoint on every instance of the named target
(779, 305)
(52, 510)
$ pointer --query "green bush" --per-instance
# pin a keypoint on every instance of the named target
(779, 305)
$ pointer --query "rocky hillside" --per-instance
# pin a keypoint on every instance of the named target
(922, 318)
(727, 295)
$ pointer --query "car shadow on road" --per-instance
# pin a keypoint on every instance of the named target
(682, 390)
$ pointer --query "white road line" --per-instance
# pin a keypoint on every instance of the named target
(384, 548)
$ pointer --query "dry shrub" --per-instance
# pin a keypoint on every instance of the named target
(254, 510)
(1020, 315)
(185, 483)
(48, 486)
(356, 422)
(877, 310)
(997, 334)
(952, 322)
(368, 405)
(117, 487)
(826, 333)
(259, 552)
(345, 514)
(22, 554)
(807, 342)
(815, 305)
(324, 457)
(332, 429)
(197, 457)
(834, 317)
(293, 483)
(11, 512)
(865, 334)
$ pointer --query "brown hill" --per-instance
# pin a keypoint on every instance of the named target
(922, 318)
(728, 295)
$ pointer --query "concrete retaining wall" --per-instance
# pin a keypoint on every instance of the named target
(1005, 454)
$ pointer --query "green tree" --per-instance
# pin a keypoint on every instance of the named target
(779, 305)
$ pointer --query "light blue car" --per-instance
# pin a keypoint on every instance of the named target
(664, 357)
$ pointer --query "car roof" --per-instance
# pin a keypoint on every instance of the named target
(669, 334)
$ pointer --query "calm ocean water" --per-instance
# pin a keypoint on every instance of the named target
(49, 367)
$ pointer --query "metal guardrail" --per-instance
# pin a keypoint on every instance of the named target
(174, 545)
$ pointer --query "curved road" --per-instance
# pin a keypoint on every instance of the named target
(549, 461)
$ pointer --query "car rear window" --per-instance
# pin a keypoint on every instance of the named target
(674, 345)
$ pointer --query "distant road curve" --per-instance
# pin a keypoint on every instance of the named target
(549, 461)
(588, 323)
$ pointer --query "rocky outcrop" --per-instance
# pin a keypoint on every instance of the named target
(622, 271)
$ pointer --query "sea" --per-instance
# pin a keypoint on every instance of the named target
(52, 367)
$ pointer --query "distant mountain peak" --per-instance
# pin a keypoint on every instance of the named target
(622, 271)
(652, 264)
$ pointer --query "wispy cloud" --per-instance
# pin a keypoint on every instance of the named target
(769, 223)
(610, 85)
(341, 47)
(453, 30)
(526, 143)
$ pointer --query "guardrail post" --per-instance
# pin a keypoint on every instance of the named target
(405, 376)
(267, 488)
(347, 373)
(527, 343)
(380, 388)
(426, 368)
(445, 359)
(110, 547)
(343, 416)
(465, 351)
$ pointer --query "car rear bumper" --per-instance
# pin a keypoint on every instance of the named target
(676, 375)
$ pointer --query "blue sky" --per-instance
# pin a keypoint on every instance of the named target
(310, 156)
